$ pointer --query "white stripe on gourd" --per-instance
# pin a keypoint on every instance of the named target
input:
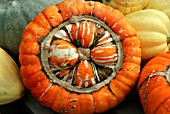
(70, 53)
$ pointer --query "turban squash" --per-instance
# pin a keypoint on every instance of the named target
(79, 57)
(153, 85)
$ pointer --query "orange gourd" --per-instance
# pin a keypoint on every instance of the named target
(153, 85)
(79, 57)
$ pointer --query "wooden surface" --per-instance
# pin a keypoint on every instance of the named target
(28, 105)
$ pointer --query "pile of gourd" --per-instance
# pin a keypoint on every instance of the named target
(14, 16)
(31, 30)
(151, 20)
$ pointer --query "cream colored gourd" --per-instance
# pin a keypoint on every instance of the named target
(11, 86)
(152, 27)
(163, 5)
(126, 6)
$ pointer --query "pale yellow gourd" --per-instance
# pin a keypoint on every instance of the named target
(126, 6)
(162, 5)
(153, 28)
(11, 86)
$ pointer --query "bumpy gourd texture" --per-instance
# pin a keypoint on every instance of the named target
(153, 85)
(81, 55)
(126, 6)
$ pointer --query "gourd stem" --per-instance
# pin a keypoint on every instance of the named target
(168, 38)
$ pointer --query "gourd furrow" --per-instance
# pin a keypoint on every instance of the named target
(153, 39)
(154, 79)
(104, 100)
(163, 107)
(119, 89)
(107, 14)
(52, 15)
